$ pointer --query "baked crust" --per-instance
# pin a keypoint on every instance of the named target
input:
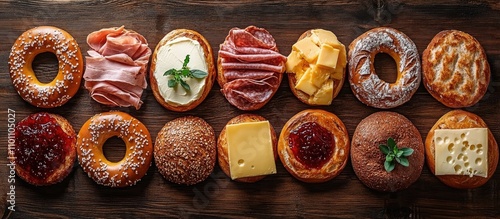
(366, 85)
(332, 167)
(185, 150)
(209, 60)
(459, 119)
(303, 97)
(222, 152)
(64, 169)
(455, 69)
(368, 161)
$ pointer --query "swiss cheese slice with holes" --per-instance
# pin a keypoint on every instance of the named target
(461, 151)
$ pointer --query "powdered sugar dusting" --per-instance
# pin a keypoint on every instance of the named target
(366, 84)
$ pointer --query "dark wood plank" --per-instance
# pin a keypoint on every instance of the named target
(277, 195)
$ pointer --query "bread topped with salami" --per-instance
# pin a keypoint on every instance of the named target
(250, 67)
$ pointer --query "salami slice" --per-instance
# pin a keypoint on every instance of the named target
(247, 74)
(251, 67)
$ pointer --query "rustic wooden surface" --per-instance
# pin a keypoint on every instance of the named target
(277, 195)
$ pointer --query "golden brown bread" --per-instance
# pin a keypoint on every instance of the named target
(459, 119)
(63, 169)
(340, 143)
(366, 85)
(137, 141)
(222, 152)
(368, 161)
(303, 97)
(67, 81)
(208, 59)
(185, 150)
(455, 69)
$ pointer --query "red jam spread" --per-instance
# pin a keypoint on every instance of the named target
(311, 144)
(41, 145)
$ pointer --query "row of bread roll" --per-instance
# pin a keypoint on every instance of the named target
(387, 152)
(250, 68)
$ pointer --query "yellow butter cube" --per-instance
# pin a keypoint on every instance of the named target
(319, 75)
(324, 96)
(328, 56)
(307, 49)
(293, 62)
(304, 84)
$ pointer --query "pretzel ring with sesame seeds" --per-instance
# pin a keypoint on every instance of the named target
(138, 153)
(65, 85)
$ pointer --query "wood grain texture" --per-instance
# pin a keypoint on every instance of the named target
(279, 195)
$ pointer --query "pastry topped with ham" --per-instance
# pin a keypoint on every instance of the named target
(250, 67)
(115, 72)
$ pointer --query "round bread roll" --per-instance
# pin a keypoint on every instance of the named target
(222, 152)
(455, 69)
(185, 150)
(45, 149)
(337, 84)
(459, 119)
(314, 146)
(368, 161)
(209, 61)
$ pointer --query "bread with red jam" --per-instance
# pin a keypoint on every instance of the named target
(314, 146)
(45, 149)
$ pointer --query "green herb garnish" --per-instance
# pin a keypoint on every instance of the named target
(394, 154)
(184, 72)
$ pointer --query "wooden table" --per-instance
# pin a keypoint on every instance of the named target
(277, 195)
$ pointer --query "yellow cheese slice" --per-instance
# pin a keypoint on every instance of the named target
(293, 62)
(328, 56)
(324, 96)
(320, 36)
(307, 49)
(338, 74)
(250, 149)
(342, 60)
(319, 75)
(461, 151)
(305, 83)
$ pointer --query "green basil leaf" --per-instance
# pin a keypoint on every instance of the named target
(384, 149)
(198, 73)
(391, 144)
(389, 166)
(185, 72)
(186, 61)
(407, 151)
(172, 83)
(399, 153)
(404, 161)
(185, 85)
(169, 72)
(389, 157)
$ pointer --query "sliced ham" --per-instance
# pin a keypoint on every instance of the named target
(115, 71)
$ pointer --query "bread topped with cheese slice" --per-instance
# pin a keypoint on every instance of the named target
(316, 67)
(461, 151)
(173, 90)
